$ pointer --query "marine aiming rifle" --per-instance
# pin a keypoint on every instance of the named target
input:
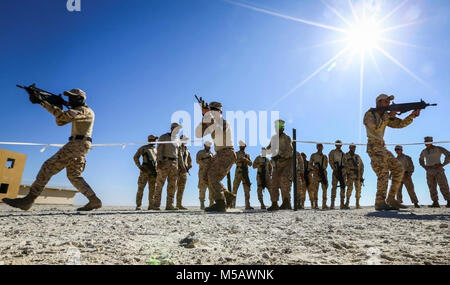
(404, 107)
(37, 95)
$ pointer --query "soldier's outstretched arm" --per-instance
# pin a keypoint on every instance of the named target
(65, 117)
(400, 123)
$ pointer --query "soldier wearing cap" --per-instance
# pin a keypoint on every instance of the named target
(317, 162)
(167, 165)
(71, 156)
(354, 175)
(215, 125)
(430, 159)
(336, 161)
(280, 148)
(263, 175)
(148, 171)
(408, 167)
(203, 159)
(243, 161)
(382, 160)
(184, 164)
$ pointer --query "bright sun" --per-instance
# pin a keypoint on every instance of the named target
(364, 35)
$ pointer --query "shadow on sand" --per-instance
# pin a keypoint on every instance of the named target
(407, 215)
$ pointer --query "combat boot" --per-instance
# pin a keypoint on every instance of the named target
(274, 207)
(180, 207)
(416, 205)
(357, 204)
(382, 206)
(170, 207)
(434, 205)
(24, 203)
(332, 205)
(396, 204)
(263, 207)
(324, 205)
(316, 205)
(247, 205)
(347, 206)
(218, 206)
(285, 205)
(448, 204)
(138, 208)
(230, 198)
(202, 205)
(94, 203)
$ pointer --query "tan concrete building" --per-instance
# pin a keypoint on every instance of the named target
(12, 165)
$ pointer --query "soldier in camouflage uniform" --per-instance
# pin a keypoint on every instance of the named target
(167, 162)
(281, 149)
(306, 187)
(263, 176)
(336, 161)
(184, 164)
(203, 159)
(148, 171)
(382, 160)
(408, 167)
(301, 185)
(243, 161)
(215, 125)
(354, 175)
(72, 156)
(430, 159)
(319, 160)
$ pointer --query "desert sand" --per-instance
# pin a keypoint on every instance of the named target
(119, 235)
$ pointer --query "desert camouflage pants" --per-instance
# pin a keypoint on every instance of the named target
(437, 177)
(144, 179)
(302, 189)
(219, 167)
(203, 185)
(72, 157)
(315, 181)
(383, 162)
(181, 185)
(282, 177)
(407, 181)
(238, 178)
(261, 187)
(352, 180)
(168, 170)
(334, 185)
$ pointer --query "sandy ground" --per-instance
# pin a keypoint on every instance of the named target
(120, 235)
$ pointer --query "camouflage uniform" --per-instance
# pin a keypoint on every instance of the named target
(306, 186)
(184, 164)
(72, 155)
(436, 176)
(167, 158)
(408, 167)
(148, 152)
(382, 160)
(263, 176)
(301, 186)
(354, 173)
(203, 159)
(225, 157)
(240, 176)
(282, 174)
(315, 160)
(336, 159)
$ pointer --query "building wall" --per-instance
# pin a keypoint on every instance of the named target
(12, 165)
(51, 195)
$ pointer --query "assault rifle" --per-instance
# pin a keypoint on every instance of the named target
(340, 175)
(149, 165)
(357, 170)
(404, 107)
(202, 102)
(323, 177)
(37, 95)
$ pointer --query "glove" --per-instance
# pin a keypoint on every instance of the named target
(35, 99)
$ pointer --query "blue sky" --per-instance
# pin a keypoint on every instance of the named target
(141, 61)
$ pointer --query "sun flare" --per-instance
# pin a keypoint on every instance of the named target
(364, 35)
